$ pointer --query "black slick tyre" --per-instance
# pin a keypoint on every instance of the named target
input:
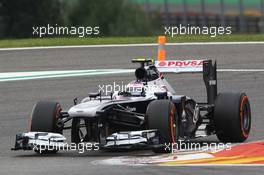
(232, 117)
(162, 115)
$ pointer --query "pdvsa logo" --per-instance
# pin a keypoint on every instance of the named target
(178, 63)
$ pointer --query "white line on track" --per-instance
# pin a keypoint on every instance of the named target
(130, 45)
(31, 75)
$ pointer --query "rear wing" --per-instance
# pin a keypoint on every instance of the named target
(206, 67)
(193, 66)
(179, 66)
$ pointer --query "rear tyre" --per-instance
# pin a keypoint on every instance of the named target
(44, 118)
(162, 115)
(232, 117)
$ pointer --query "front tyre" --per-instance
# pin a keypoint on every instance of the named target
(232, 117)
(162, 115)
(44, 118)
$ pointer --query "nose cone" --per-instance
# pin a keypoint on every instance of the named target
(87, 109)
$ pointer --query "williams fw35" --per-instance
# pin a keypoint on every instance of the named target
(147, 114)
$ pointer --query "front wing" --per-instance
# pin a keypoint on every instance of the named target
(41, 141)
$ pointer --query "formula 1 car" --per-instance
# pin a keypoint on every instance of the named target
(148, 113)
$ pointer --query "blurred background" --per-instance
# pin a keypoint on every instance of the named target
(129, 17)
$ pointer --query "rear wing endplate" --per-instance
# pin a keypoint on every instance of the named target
(193, 66)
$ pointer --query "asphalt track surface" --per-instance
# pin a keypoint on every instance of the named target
(18, 97)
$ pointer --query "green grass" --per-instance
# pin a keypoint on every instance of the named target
(123, 40)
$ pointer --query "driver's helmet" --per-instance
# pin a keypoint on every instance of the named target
(149, 73)
(152, 73)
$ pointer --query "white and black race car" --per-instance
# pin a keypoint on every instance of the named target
(148, 113)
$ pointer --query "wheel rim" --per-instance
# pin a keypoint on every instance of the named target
(172, 125)
(245, 117)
